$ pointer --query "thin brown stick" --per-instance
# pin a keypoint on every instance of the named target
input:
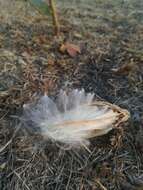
(100, 184)
(54, 16)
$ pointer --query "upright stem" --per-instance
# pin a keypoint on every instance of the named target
(54, 16)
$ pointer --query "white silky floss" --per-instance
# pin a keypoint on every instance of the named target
(73, 118)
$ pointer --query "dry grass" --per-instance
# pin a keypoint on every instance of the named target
(30, 61)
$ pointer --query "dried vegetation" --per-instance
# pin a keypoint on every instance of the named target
(110, 63)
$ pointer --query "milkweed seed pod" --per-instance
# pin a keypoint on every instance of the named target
(74, 117)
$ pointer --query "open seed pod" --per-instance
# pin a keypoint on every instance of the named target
(74, 117)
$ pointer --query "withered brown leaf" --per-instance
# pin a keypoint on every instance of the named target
(70, 48)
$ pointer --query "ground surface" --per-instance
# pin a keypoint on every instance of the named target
(110, 36)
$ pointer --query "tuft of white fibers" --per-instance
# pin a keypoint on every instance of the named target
(73, 118)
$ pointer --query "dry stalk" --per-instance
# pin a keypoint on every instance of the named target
(54, 16)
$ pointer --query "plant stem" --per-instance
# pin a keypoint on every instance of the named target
(54, 16)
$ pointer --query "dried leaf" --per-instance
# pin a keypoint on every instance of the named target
(125, 69)
(71, 49)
